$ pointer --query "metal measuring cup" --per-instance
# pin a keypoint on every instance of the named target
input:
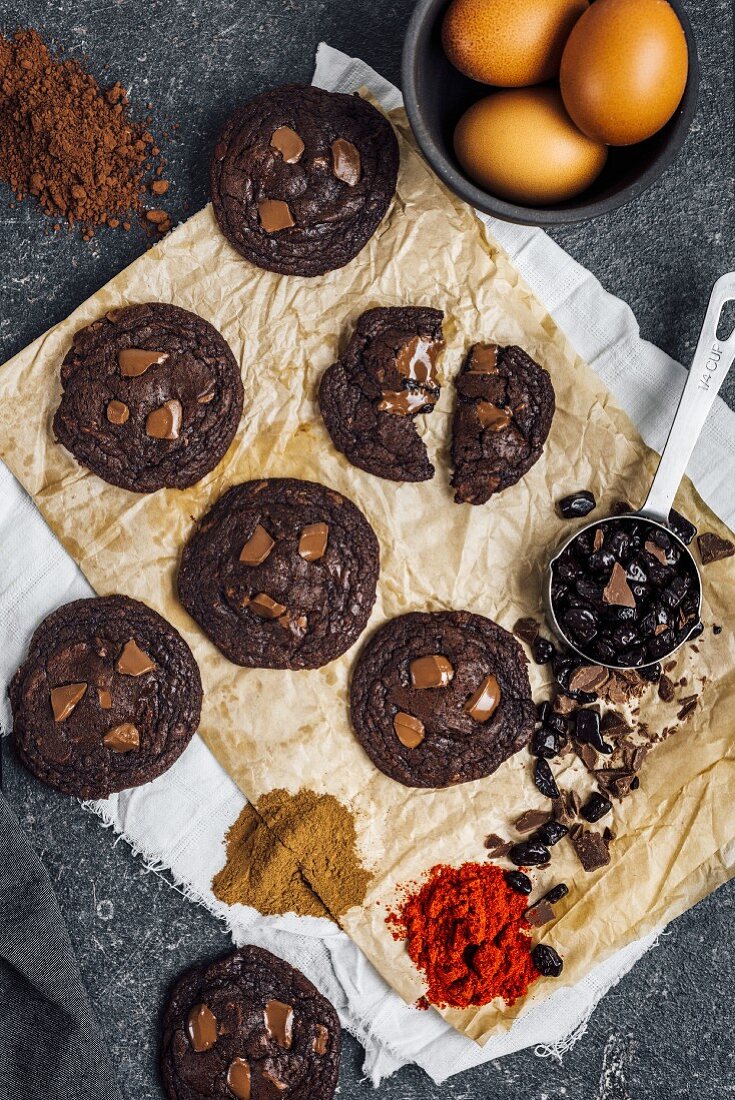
(712, 360)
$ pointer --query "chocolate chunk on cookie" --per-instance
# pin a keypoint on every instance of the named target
(386, 377)
(441, 698)
(108, 697)
(249, 1027)
(281, 574)
(505, 405)
(152, 398)
(301, 178)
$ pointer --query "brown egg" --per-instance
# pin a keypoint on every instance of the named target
(511, 43)
(521, 145)
(624, 69)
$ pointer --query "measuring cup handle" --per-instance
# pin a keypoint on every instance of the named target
(712, 360)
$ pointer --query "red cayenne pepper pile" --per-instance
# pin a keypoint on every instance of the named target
(465, 929)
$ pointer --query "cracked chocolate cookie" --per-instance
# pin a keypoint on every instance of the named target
(386, 377)
(442, 697)
(250, 1027)
(152, 398)
(281, 574)
(108, 697)
(301, 178)
(505, 405)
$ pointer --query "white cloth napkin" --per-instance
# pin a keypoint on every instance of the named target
(178, 821)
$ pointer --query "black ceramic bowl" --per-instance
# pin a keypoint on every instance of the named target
(436, 95)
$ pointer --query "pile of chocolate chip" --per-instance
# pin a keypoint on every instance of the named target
(624, 592)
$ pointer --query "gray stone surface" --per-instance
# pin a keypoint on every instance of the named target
(667, 1029)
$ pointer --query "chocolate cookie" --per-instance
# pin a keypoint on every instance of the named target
(505, 405)
(152, 398)
(281, 574)
(250, 1027)
(441, 698)
(386, 377)
(108, 698)
(301, 178)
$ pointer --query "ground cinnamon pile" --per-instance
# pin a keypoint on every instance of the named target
(465, 929)
(68, 142)
(293, 854)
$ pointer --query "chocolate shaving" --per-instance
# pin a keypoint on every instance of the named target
(496, 846)
(531, 820)
(666, 689)
(613, 725)
(688, 704)
(587, 754)
(589, 678)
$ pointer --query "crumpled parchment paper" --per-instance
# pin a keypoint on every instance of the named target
(278, 729)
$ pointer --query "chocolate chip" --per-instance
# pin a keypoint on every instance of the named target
(528, 854)
(547, 961)
(544, 779)
(519, 882)
(550, 833)
(434, 671)
(543, 651)
(556, 893)
(587, 731)
(577, 505)
(596, 807)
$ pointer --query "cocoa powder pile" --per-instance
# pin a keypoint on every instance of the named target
(68, 142)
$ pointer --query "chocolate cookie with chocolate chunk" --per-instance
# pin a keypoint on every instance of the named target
(441, 698)
(281, 574)
(152, 398)
(251, 1027)
(301, 178)
(108, 697)
(386, 377)
(505, 405)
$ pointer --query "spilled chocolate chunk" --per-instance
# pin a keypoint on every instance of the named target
(431, 672)
(409, 730)
(133, 661)
(123, 738)
(346, 162)
(712, 548)
(165, 421)
(274, 215)
(591, 848)
(483, 702)
(313, 541)
(65, 698)
(118, 412)
(288, 143)
(202, 1028)
(135, 361)
(279, 1023)
(267, 608)
(257, 548)
(617, 591)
